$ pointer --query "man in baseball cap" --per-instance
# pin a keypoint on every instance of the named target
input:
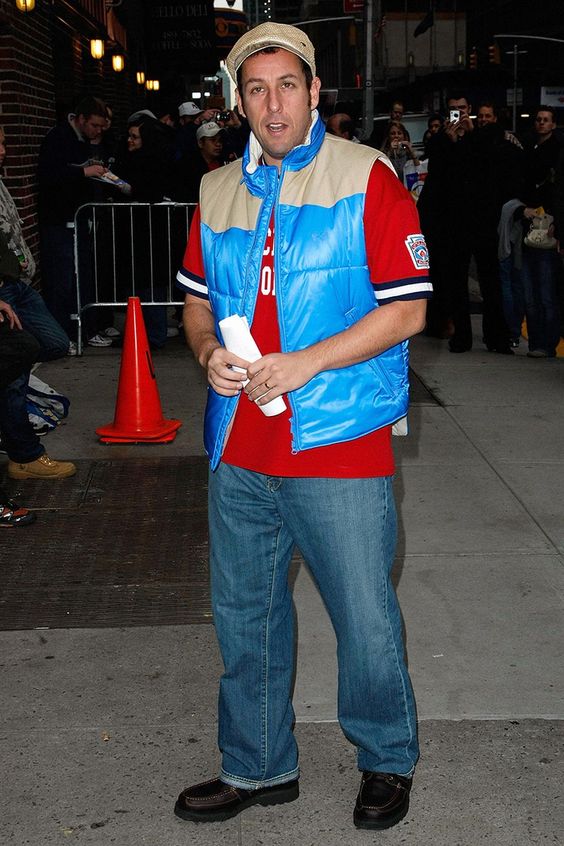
(187, 112)
(190, 117)
(208, 130)
(316, 243)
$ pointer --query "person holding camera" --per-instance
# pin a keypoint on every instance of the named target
(397, 147)
(472, 172)
(235, 135)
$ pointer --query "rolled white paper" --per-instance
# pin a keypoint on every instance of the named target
(238, 339)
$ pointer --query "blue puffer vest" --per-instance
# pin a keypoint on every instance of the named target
(322, 281)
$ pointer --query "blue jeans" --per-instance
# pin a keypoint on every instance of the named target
(539, 276)
(156, 322)
(346, 531)
(18, 436)
(58, 277)
(57, 272)
(512, 296)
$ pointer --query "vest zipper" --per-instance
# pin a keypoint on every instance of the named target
(280, 310)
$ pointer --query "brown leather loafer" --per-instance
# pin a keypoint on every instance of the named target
(382, 801)
(213, 801)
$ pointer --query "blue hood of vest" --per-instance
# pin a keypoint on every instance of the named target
(257, 177)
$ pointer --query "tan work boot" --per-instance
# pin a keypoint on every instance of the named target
(42, 468)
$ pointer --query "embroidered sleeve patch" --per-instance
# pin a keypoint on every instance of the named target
(417, 249)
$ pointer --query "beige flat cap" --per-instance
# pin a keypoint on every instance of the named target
(270, 35)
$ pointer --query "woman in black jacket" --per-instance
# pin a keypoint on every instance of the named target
(145, 163)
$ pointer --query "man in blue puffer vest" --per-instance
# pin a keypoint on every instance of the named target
(317, 244)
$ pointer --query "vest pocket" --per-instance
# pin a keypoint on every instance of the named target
(352, 316)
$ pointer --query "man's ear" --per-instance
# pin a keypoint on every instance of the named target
(314, 92)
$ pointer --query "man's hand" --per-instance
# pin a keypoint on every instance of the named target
(221, 375)
(276, 374)
(6, 309)
(203, 117)
(450, 128)
(199, 328)
(233, 121)
(466, 123)
(457, 128)
(94, 170)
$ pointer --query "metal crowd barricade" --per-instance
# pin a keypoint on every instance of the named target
(124, 250)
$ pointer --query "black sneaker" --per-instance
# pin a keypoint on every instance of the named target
(12, 515)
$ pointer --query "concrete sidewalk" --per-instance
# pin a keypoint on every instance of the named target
(101, 727)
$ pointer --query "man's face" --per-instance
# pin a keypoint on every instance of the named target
(544, 124)
(463, 107)
(396, 112)
(91, 126)
(211, 148)
(486, 115)
(276, 101)
(461, 104)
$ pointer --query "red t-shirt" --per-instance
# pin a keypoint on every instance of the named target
(263, 444)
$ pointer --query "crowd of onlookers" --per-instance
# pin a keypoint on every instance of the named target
(489, 197)
(82, 161)
(484, 195)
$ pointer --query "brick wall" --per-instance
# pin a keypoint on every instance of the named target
(27, 106)
(45, 67)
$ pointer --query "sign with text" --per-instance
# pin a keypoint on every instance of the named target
(350, 7)
(510, 95)
(181, 37)
(552, 95)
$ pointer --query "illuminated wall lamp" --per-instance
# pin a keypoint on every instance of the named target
(25, 5)
(141, 77)
(96, 48)
(118, 62)
(152, 85)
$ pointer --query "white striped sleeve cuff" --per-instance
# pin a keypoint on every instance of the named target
(191, 284)
(415, 288)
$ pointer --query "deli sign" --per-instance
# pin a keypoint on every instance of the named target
(181, 36)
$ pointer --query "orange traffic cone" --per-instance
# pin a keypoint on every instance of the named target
(138, 415)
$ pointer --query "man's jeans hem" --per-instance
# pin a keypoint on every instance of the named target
(383, 770)
(250, 784)
(28, 457)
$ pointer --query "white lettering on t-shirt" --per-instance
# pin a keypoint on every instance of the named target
(267, 284)
(267, 281)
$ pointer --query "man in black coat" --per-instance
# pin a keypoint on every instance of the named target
(472, 171)
(68, 165)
